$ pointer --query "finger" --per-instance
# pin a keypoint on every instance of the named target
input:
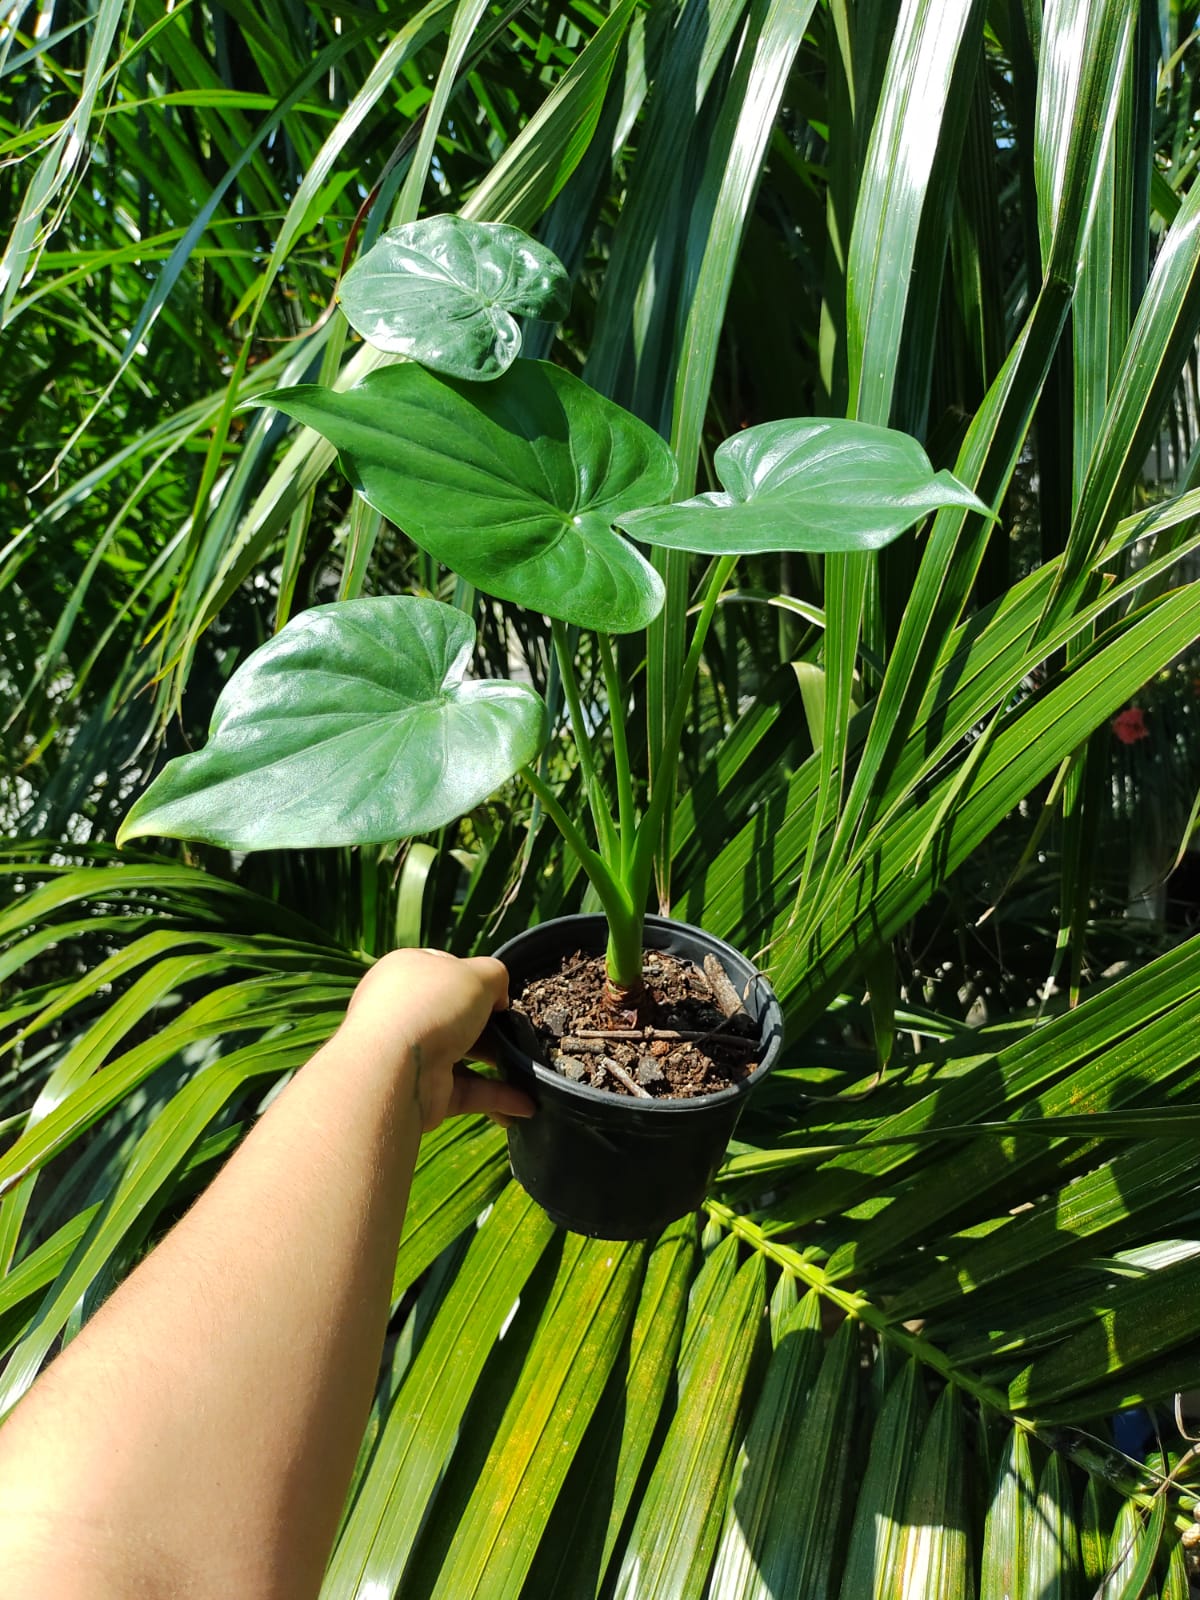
(494, 976)
(483, 1050)
(473, 1093)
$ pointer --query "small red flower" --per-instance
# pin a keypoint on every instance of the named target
(1130, 725)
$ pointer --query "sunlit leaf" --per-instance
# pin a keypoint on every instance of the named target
(357, 723)
(514, 484)
(826, 485)
(447, 292)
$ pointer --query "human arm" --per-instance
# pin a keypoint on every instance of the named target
(197, 1438)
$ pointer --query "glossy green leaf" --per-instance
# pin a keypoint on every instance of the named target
(447, 292)
(514, 484)
(356, 723)
(826, 485)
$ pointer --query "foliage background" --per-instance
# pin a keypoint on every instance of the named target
(915, 784)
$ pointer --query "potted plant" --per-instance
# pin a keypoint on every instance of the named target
(360, 722)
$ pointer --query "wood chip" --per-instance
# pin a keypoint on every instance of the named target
(582, 1044)
(724, 993)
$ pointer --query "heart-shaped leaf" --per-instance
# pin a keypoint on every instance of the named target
(355, 724)
(824, 485)
(447, 292)
(514, 484)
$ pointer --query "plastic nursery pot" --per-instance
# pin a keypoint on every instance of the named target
(603, 1164)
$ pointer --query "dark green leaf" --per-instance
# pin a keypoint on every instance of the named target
(1142, 1319)
(935, 1552)
(354, 724)
(1053, 1549)
(873, 1548)
(1008, 1526)
(670, 1548)
(762, 1542)
(447, 293)
(514, 484)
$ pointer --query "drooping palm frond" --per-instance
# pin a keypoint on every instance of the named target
(557, 1409)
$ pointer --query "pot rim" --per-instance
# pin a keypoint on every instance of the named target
(771, 1033)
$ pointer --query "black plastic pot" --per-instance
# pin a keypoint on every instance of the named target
(603, 1164)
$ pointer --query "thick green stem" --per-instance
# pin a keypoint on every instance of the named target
(663, 797)
(624, 780)
(606, 833)
(624, 957)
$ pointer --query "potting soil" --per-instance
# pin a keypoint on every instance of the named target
(681, 1042)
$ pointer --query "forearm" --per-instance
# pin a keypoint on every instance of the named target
(237, 1363)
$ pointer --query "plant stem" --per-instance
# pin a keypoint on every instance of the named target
(663, 797)
(624, 955)
(624, 779)
(606, 833)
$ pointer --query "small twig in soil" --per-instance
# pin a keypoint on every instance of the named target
(724, 993)
(676, 1035)
(630, 1083)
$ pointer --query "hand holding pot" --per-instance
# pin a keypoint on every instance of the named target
(430, 1008)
